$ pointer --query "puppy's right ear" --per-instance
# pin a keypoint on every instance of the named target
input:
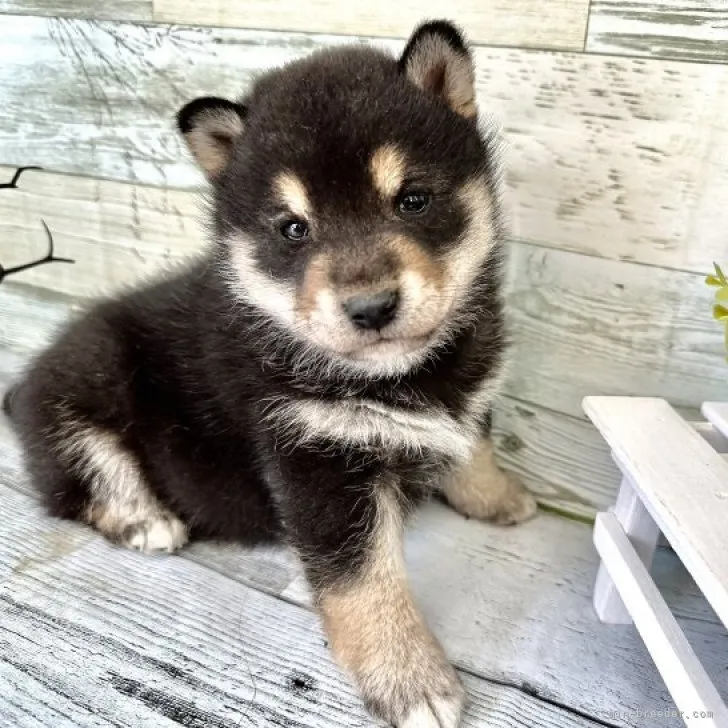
(211, 126)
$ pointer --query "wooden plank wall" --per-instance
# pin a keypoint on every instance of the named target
(615, 115)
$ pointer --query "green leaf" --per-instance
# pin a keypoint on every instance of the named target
(720, 313)
(721, 295)
(719, 274)
(713, 281)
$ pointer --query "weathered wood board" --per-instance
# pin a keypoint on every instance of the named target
(560, 458)
(97, 9)
(616, 157)
(511, 606)
(98, 637)
(659, 453)
(534, 23)
(117, 234)
(588, 326)
(582, 325)
(29, 318)
(689, 30)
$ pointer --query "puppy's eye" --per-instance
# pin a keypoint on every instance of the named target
(413, 202)
(294, 230)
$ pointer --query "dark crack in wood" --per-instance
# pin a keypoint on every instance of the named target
(49, 257)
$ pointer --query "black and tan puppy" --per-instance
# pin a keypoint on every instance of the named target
(322, 368)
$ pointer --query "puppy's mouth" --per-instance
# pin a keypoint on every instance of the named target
(387, 347)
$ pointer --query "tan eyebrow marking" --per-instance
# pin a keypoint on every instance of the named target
(387, 167)
(293, 194)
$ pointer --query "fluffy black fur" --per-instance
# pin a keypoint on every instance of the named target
(178, 369)
(181, 369)
(184, 372)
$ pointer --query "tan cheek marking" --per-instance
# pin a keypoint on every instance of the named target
(464, 260)
(315, 281)
(479, 202)
(293, 194)
(387, 168)
(413, 258)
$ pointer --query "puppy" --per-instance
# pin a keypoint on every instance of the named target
(322, 368)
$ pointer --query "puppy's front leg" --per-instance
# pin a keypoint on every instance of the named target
(352, 550)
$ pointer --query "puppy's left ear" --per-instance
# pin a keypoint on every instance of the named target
(437, 59)
(211, 127)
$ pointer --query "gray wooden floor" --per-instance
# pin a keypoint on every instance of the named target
(92, 635)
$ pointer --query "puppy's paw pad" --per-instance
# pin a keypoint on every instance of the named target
(157, 534)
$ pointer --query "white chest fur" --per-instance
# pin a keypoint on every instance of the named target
(365, 423)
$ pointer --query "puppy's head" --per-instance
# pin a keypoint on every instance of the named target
(353, 196)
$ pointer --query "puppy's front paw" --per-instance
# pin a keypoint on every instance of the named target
(417, 696)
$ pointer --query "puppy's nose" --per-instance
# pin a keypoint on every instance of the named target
(372, 310)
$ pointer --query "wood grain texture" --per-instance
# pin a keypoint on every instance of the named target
(614, 327)
(588, 326)
(614, 157)
(560, 458)
(534, 23)
(163, 642)
(30, 317)
(510, 605)
(688, 30)
(117, 234)
(97, 9)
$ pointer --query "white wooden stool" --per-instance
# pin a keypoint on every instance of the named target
(675, 482)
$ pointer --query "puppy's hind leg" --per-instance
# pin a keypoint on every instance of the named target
(480, 489)
(120, 503)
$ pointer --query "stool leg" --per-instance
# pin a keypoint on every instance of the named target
(643, 532)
